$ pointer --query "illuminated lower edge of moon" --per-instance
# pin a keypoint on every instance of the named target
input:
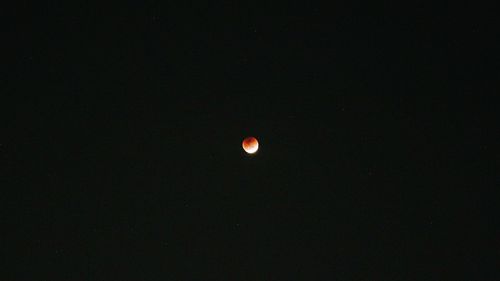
(253, 149)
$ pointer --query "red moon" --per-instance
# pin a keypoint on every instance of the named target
(250, 145)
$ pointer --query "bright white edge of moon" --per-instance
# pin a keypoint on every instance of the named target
(253, 149)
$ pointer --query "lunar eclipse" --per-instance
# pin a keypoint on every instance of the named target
(250, 145)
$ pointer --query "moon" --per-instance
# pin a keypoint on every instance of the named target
(250, 145)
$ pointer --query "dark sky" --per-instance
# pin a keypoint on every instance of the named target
(121, 154)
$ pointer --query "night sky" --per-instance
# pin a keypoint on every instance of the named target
(121, 153)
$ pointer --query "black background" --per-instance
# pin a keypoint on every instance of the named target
(121, 155)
